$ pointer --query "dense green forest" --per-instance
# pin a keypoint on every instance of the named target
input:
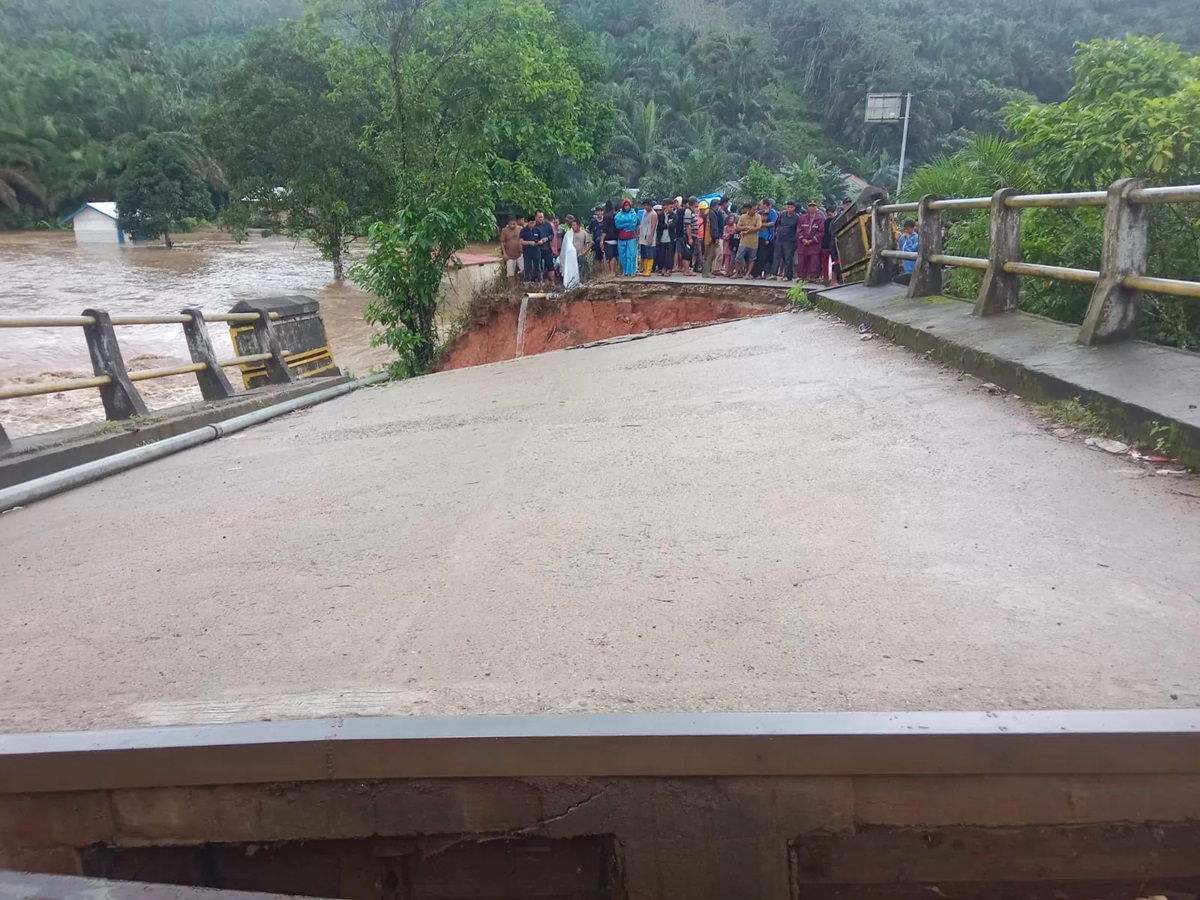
(414, 121)
(687, 92)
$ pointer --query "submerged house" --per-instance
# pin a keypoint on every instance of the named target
(96, 223)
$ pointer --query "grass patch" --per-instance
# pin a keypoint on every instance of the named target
(798, 296)
(1074, 413)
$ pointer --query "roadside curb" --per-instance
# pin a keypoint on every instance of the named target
(1028, 356)
(46, 454)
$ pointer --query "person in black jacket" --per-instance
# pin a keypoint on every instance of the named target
(610, 239)
(785, 242)
(666, 237)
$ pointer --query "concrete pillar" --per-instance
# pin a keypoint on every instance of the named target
(1114, 310)
(268, 342)
(521, 325)
(927, 277)
(880, 269)
(1000, 291)
(213, 383)
(121, 399)
(5, 441)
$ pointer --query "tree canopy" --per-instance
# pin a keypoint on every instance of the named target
(162, 185)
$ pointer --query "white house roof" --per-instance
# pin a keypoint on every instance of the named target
(104, 207)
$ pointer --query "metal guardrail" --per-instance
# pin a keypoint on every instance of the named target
(1118, 286)
(114, 380)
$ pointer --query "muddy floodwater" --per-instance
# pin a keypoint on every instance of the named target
(48, 274)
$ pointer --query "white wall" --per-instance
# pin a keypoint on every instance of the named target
(92, 227)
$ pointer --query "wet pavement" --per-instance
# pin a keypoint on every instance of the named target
(768, 514)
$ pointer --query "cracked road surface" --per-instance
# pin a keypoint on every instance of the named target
(768, 514)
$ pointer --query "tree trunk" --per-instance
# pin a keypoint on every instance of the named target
(167, 240)
(339, 265)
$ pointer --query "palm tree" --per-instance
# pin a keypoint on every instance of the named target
(23, 141)
(639, 145)
(984, 167)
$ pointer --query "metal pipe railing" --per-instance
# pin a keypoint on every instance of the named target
(962, 262)
(147, 374)
(121, 399)
(13, 391)
(899, 207)
(965, 203)
(1186, 193)
(1057, 201)
(1172, 286)
(1055, 273)
(151, 320)
(238, 360)
(45, 321)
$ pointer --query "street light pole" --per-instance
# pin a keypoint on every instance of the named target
(904, 142)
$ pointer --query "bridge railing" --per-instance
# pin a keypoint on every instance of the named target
(117, 385)
(1118, 287)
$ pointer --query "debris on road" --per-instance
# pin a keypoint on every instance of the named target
(993, 389)
(864, 328)
(1151, 457)
(1108, 445)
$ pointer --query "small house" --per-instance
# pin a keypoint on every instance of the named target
(96, 223)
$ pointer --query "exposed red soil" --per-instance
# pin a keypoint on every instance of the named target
(556, 325)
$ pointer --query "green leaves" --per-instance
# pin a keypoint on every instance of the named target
(162, 184)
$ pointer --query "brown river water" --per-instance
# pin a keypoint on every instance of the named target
(48, 274)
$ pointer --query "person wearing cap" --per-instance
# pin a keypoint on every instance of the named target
(749, 225)
(810, 233)
(648, 237)
(785, 245)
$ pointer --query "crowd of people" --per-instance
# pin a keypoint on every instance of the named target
(679, 236)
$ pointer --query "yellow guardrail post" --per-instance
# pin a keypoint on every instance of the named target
(1001, 291)
(1114, 310)
(213, 383)
(927, 275)
(121, 399)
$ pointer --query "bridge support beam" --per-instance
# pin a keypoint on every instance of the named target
(121, 399)
(213, 383)
(927, 276)
(880, 269)
(1115, 309)
(1001, 291)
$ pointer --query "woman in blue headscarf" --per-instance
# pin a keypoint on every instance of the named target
(627, 222)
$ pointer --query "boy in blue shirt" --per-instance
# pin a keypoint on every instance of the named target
(908, 242)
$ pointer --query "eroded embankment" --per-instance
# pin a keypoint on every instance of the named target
(492, 332)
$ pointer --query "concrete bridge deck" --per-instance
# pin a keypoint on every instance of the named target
(769, 514)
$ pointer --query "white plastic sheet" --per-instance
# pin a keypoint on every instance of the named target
(569, 262)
